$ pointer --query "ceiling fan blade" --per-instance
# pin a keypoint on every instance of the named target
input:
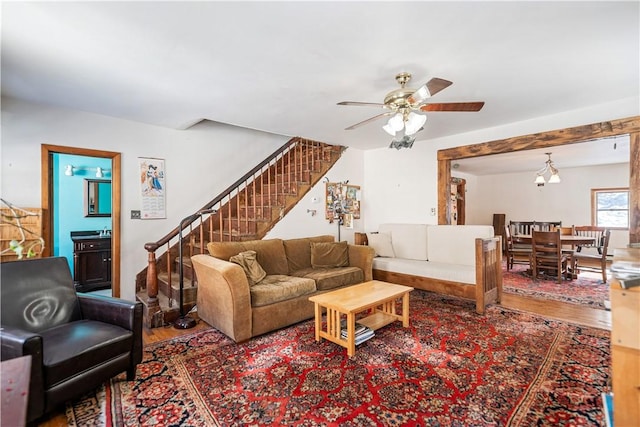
(428, 89)
(371, 119)
(435, 85)
(362, 104)
(453, 106)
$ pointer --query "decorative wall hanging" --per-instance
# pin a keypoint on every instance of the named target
(20, 230)
(152, 188)
(342, 203)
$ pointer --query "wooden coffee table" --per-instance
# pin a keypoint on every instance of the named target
(376, 296)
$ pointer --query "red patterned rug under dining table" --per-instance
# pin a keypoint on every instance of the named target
(587, 289)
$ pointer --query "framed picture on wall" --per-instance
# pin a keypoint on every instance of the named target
(152, 188)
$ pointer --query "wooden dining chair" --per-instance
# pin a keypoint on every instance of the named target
(515, 255)
(547, 256)
(521, 227)
(566, 231)
(593, 258)
(591, 231)
(546, 225)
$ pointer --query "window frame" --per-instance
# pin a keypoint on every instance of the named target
(594, 205)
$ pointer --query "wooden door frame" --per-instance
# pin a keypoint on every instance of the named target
(630, 125)
(46, 155)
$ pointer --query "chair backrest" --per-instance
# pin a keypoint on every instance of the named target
(521, 227)
(605, 243)
(507, 235)
(546, 225)
(565, 231)
(38, 294)
(546, 243)
(598, 233)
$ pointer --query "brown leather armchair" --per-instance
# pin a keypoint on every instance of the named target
(76, 341)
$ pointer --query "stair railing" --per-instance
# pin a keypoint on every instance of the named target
(279, 171)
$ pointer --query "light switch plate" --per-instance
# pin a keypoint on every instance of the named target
(135, 214)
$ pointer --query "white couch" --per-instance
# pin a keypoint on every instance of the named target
(460, 260)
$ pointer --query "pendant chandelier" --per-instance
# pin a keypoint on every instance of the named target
(548, 167)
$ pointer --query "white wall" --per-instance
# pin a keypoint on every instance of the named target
(516, 196)
(200, 163)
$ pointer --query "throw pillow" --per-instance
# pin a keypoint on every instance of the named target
(329, 254)
(381, 243)
(254, 271)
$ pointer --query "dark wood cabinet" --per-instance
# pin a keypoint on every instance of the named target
(91, 263)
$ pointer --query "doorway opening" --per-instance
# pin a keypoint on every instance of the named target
(52, 206)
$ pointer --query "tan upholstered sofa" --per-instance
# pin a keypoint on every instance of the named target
(295, 270)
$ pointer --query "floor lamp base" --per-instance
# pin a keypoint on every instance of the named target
(184, 322)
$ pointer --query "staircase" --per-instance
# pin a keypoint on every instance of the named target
(246, 210)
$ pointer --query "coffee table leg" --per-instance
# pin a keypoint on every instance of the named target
(351, 329)
(405, 310)
(318, 320)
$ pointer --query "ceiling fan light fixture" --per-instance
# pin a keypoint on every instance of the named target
(405, 142)
(402, 102)
(388, 129)
(397, 122)
(414, 123)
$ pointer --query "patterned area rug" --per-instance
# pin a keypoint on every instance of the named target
(451, 367)
(587, 289)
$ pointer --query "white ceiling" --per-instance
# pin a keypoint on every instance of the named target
(281, 67)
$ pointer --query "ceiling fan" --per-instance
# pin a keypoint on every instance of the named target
(407, 107)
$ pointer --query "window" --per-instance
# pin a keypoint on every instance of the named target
(610, 207)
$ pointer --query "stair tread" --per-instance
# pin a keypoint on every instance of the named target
(175, 280)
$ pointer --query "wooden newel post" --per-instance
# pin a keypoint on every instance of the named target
(152, 278)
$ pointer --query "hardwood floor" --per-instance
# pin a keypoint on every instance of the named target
(572, 313)
(552, 309)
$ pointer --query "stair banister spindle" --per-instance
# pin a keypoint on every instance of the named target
(294, 160)
(168, 261)
(269, 181)
(201, 236)
(261, 194)
(246, 203)
(210, 224)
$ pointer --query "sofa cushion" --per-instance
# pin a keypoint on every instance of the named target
(279, 287)
(409, 240)
(455, 244)
(330, 278)
(269, 253)
(299, 251)
(433, 270)
(252, 268)
(381, 243)
(329, 255)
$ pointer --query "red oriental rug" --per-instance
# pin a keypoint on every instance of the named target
(451, 367)
(587, 289)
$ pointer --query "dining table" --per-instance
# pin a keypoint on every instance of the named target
(567, 239)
